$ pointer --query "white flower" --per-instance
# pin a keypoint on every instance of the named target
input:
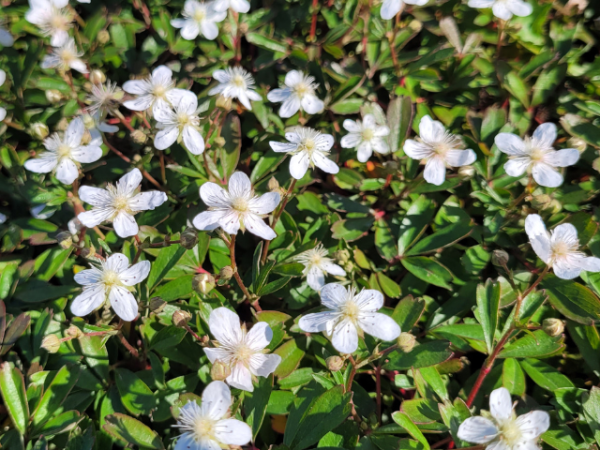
(118, 204)
(65, 57)
(366, 137)
(208, 427)
(2, 80)
(181, 123)
(41, 211)
(438, 149)
(65, 153)
(560, 250)
(504, 9)
(349, 313)
(309, 148)
(2, 218)
(52, 19)
(6, 39)
(236, 207)
(392, 7)
(243, 352)
(298, 93)
(505, 431)
(104, 98)
(110, 280)
(536, 155)
(235, 82)
(316, 265)
(156, 92)
(240, 6)
(75, 226)
(199, 18)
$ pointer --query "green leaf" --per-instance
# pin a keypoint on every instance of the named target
(230, 152)
(414, 223)
(389, 286)
(291, 355)
(408, 312)
(441, 238)
(55, 394)
(347, 106)
(423, 355)
(545, 375)
(513, 377)
(534, 345)
(488, 304)
(166, 260)
(255, 403)
(587, 340)
(266, 43)
(428, 270)
(59, 424)
(167, 337)
(135, 394)
(132, 431)
(573, 300)
(12, 387)
(404, 421)
(591, 411)
(384, 240)
(178, 288)
(399, 116)
(94, 350)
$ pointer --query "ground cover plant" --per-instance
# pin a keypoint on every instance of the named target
(299, 224)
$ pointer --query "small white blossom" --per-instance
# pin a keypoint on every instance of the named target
(52, 18)
(2, 80)
(6, 39)
(199, 18)
(236, 207)
(208, 427)
(536, 155)
(64, 58)
(75, 226)
(504, 430)
(392, 7)
(104, 98)
(157, 91)
(366, 137)
(350, 313)
(112, 280)
(559, 249)
(235, 82)
(118, 204)
(504, 9)
(437, 149)
(243, 352)
(309, 148)
(316, 265)
(298, 93)
(240, 6)
(183, 123)
(65, 153)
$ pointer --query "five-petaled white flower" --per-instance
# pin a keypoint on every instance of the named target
(309, 148)
(536, 155)
(504, 430)
(2, 80)
(112, 280)
(392, 7)
(366, 137)
(243, 352)
(236, 207)
(183, 123)
(6, 39)
(316, 265)
(235, 82)
(504, 9)
(64, 58)
(559, 249)
(199, 18)
(240, 6)
(52, 19)
(298, 93)
(438, 149)
(64, 153)
(350, 313)
(208, 427)
(157, 91)
(118, 204)
(104, 98)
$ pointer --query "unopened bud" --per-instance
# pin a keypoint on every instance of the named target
(334, 363)
(226, 273)
(51, 343)
(73, 331)
(406, 342)
(577, 143)
(86, 138)
(189, 238)
(181, 318)
(466, 171)
(65, 239)
(553, 327)
(139, 136)
(342, 256)
(203, 283)
(54, 96)
(273, 185)
(157, 304)
(219, 371)
(103, 36)
(220, 141)
(62, 124)
(97, 77)
(541, 201)
(223, 102)
(88, 121)
(74, 226)
(244, 27)
(39, 130)
(499, 258)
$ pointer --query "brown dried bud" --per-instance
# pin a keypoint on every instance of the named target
(406, 342)
(220, 371)
(73, 331)
(51, 343)
(553, 327)
(65, 239)
(273, 185)
(226, 273)
(157, 304)
(203, 283)
(139, 136)
(499, 258)
(189, 238)
(181, 318)
(39, 130)
(334, 363)
(97, 77)
(103, 36)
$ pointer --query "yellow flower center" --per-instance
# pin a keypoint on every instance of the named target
(183, 119)
(351, 311)
(302, 89)
(368, 134)
(111, 278)
(536, 154)
(204, 428)
(238, 81)
(159, 91)
(240, 204)
(121, 203)
(199, 15)
(511, 433)
(316, 259)
(58, 22)
(63, 151)
(242, 353)
(309, 145)
(67, 56)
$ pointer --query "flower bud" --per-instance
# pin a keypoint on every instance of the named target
(103, 36)
(273, 185)
(51, 343)
(54, 96)
(62, 124)
(75, 226)
(553, 327)
(203, 283)
(88, 121)
(65, 239)
(97, 77)
(466, 171)
(334, 363)
(157, 304)
(39, 130)
(189, 238)
(139, 136)
(223, 102)
(86, 138)
(577, 143)
(220, 371)
(226, 273)
(73, 332)
(499, 258)
(243, 27)
(596, 164)
(406, 342)
(220, 141)
(342, 256)
(541, 201)
(181, 318)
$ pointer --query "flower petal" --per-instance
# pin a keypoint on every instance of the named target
(129, 182)
(44, 164)
(417, 150)
(315, 278)
(193, 140)
(364, 151)
(278, 95)
(214, 195)
(538, 236)
(379, 325)
(136, 87)
(351, 140)
(209, 30)
(345, 337)
(166, 137)
(369, 300)
(562, 158)
(533, 424)
(88, 277)
(145, 201)
(282, 147)
(545, 134)
(501, 404)
(125, 225)
(311, 104)
(216, 354)
(501, 11)
(431, 130)
(324, 163)
(353, 126)
(435, 171)
(255, 225)
(333, 295)
(136, 273)
(590, 264)
(263, 365)
(208, 220)
(259, 336)
(240, 378)
(89, 300)
(333, 269)
(117, 262)
(67, 171)
(458, 158)
(265, 204)
(511, 144)
(233, 432)
(87, 154)
(123, 303)
(316, 322)
(515, 167)
(141, 103)
(546, 175)
(390, 8)
(239, 185)
(477, 430)
(216, 400)
(289, 107)
(225, 326)
(299, 165)
(95, 217)
(565, 269)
